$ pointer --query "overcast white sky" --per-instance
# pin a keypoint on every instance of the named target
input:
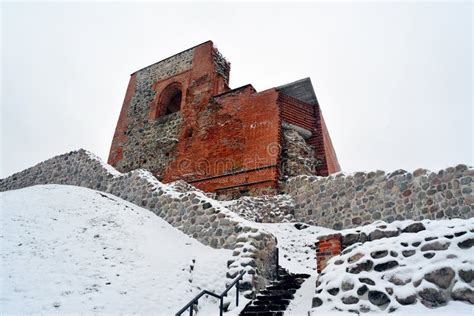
(394, 80)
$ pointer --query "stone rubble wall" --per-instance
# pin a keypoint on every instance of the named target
(343, 201)
(379, 230)
(430, 265)
(187, 209)
(222, 65)
(297, 157)
(264, 209)
(157, 140)
(329, 246)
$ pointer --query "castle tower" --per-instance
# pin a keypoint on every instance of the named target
(180, 120)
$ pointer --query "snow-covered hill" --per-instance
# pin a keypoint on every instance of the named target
(66, 249)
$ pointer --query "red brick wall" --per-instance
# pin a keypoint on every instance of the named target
(309, 117)
(326, 248)
(231, 142)
(227, 139)
(198, 83)
(116, 149)
(297, 112)
(181, 79)
(331, 158)
(251, 180)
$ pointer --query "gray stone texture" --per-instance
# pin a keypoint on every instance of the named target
(222, 65)
(151, 144)
(345, 201)
(264, 209)
(441, 277)
(444, 277)
(297, 156)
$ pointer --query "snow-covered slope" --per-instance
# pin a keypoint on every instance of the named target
(66, 249)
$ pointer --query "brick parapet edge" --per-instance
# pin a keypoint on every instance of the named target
(327, 247)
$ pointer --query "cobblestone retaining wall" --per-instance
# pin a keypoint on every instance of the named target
(344, 201)
(187, 209)
(264, 209)
(428, 262)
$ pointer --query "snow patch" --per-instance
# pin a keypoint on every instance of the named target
(68, 249)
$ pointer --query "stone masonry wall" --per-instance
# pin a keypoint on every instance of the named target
(143, 146)
(427, 262)
(297, 157)
(157, 140)
(222, 65)
(189, 210)
(146, 136)
(345, 201)
(264, 209)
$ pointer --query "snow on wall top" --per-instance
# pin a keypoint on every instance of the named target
(430, 267)
(344, 201)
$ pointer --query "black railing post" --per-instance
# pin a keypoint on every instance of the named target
(237, 293)
(277, 264)
(195, 300)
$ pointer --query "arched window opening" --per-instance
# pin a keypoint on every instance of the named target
(175, 103)
(170, 99)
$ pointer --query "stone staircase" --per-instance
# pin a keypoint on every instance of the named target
(276, 297)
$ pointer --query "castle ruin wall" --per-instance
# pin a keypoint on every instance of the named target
(344, 201)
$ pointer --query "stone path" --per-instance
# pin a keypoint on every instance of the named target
(276, 297)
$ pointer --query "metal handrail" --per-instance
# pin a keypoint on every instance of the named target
(194, 301)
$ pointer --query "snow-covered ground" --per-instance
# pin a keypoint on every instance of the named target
(297, 251)
(67, 249)
(297, 254)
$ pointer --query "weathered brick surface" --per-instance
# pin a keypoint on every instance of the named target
(330, 157)
(222, 140)
(326, 248)
(309, 117)
(233, 137)
(120, 135)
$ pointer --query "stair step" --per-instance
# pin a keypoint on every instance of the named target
(272, 296)
(261, 314)
(278, 292)
(271, 302)
(276, 297)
